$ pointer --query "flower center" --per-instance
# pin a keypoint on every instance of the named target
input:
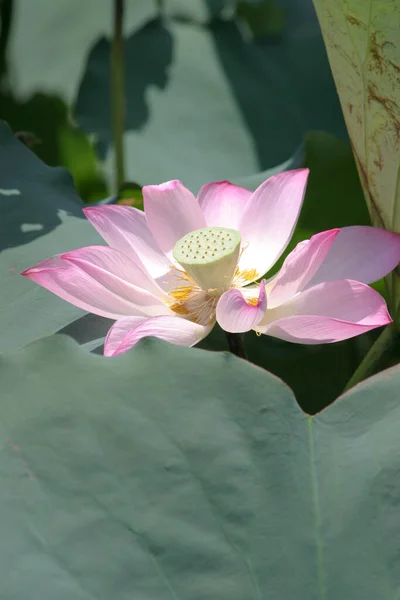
(209, 256)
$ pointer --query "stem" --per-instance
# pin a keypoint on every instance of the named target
(118, 92)
(236, 344)
(374, 355)
(160, 6)
(395, 296)
(6, 17)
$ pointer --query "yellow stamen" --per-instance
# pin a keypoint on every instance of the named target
(179, 308)
(252, 301)
(182, 293)
(247, 275)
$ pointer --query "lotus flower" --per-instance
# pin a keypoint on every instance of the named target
(185, 263)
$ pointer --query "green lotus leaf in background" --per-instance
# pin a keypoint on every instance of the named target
(173, 473)
(208, 102)
(40, 215)
(204, 101)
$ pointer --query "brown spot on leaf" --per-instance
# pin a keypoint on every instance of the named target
(380, 62)
(391, 107)
(376, 50)
(395, 67)
(354, 21)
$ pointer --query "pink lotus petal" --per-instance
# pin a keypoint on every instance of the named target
(76, 286)
(364, 254)
(236, 315)
(125, 229)
(172, 329)
(118, 331)
(270, 218)
(223, 203)
(172, 211)
(97, 268)
(328, 312)
(299, 267)
(97, 259)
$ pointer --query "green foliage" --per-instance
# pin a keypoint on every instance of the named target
(263, 18)
(40, 215)
(58, 142)
(209, 103)
(141, 477)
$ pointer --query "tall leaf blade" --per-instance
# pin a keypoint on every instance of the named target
(362, 41)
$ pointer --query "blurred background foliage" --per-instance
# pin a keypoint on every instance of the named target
(215, 89)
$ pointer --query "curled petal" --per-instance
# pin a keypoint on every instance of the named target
(118, 331)
(223, 203)
(299, 267)
(269, 219)
(94, 289)
(124, 334)
(361, 253)
(172, 211)
(328, 312)
(125, 229)
(239, 311)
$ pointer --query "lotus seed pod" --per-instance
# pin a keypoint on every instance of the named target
(209, 256)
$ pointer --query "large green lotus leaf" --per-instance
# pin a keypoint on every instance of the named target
(40, 215)
(172, 473)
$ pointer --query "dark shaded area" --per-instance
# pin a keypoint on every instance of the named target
(89, 331)
(148, 56)
(215, 7)
(6, 17)
(252, 76)
(334, 195)
(290, 65)
(22, 218)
